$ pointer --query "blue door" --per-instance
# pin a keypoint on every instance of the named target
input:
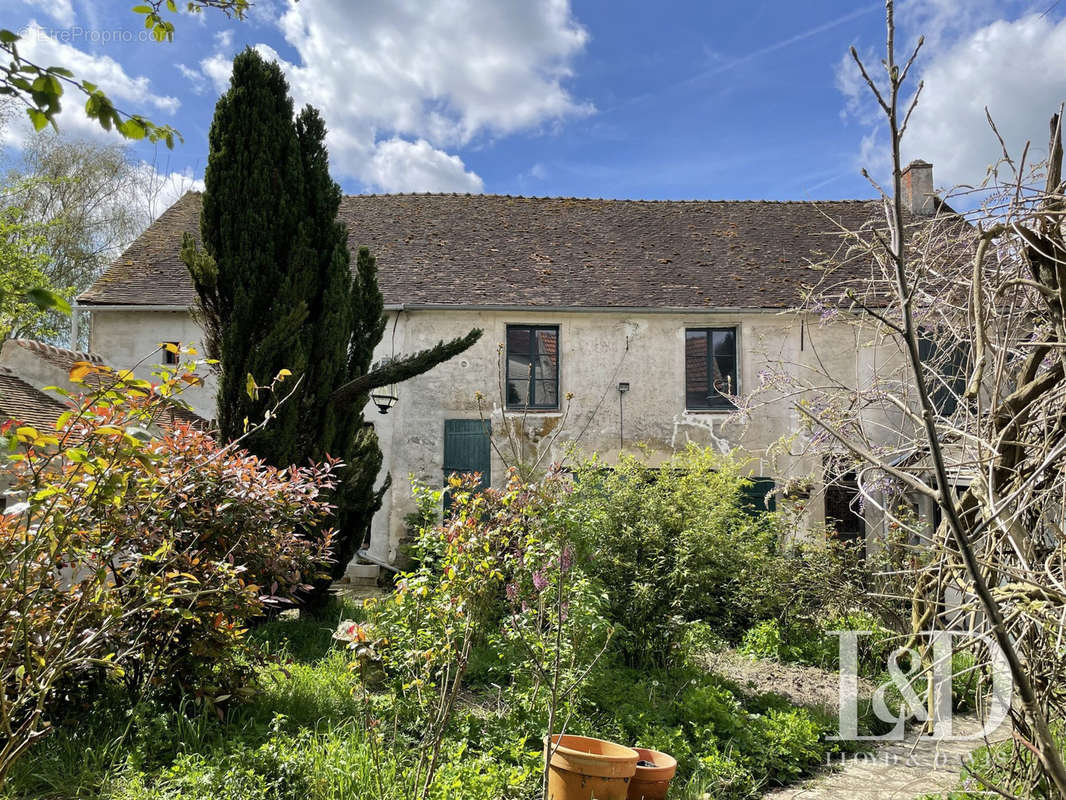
(467, 449)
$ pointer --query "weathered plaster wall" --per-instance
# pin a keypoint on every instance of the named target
(131, 340)
(35, 370)
(598, 350)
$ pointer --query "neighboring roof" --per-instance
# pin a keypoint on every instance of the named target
(57, 356)
(487, 250)
(23, 403)
(171, 412)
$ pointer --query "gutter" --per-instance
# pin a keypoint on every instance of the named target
(499, 307)
(131, 307)
(583, 309)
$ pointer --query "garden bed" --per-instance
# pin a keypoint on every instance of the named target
(302, 737)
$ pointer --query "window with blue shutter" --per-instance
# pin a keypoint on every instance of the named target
(758, 496)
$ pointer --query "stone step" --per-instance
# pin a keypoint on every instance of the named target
(361, 574)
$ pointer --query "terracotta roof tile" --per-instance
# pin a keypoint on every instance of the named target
(57, 356)
(23, 403)
(530, 251)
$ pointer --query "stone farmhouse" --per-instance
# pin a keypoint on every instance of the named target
(610, 323)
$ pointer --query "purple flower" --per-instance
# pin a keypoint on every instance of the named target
(566, 560)
(512, 592)
(540, 580)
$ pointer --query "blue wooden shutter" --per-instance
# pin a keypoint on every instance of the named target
(467, 448)
(754, 496)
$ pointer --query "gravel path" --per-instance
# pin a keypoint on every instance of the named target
(803, 686)
(896, 771)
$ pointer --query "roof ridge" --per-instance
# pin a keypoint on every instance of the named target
(572, 198)
(63, 352)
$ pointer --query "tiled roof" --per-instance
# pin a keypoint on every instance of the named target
(58, 356)
(528, 251)
(21, 402)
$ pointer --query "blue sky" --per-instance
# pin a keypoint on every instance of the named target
(608, 98)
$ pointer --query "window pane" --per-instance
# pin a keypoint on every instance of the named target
(517, 367)
(545, 368)
(547, 344)
(697, 386)
(517, 339)
(725, 379)
(532, 355)
(725, 365)
(516, 392)
(545, 393)
(725, 343)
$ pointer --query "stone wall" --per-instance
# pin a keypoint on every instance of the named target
(597, 351)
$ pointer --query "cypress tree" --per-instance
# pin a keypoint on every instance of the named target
(251, 216)
(276, 291)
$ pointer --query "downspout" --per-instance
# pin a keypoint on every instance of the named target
(75, 329)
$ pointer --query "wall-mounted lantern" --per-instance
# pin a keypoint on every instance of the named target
(384, 400)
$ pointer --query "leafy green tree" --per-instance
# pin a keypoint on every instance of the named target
(41, 88)
(85, 202)
(24, 284)
(276, 292)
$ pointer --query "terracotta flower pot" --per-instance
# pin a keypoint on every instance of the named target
(583, 768)
(652, 783)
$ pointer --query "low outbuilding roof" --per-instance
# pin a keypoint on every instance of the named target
(21, 402)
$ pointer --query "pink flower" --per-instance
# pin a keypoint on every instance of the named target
(566, 560)
(540, 580)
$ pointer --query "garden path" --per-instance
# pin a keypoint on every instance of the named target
(894, 771)
(897, 771)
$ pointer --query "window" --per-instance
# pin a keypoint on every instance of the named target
(171, 352)
(533, 366)
(710, 367)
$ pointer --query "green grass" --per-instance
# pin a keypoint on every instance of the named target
(303, 738)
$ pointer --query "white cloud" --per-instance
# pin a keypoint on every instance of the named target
(400, 166)
(413, 80)
(194, 77)
(410, 80)
(224, 39)
(217, 68)
(133, 94)
(59, 10)
(1016, 68)
(445, 71)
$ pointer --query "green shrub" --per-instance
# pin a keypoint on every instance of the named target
(139, 556)
(816, 644)
(673, 545)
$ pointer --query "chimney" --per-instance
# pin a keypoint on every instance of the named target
(918, 188)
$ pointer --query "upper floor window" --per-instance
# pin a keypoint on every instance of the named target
(171, 352)
(710, 367)
(533, 366)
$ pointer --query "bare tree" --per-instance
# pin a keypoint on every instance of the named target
(964, 410)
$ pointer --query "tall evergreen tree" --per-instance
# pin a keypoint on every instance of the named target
(277, 292)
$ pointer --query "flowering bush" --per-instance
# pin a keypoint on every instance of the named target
(139, 556)
(501, 571)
